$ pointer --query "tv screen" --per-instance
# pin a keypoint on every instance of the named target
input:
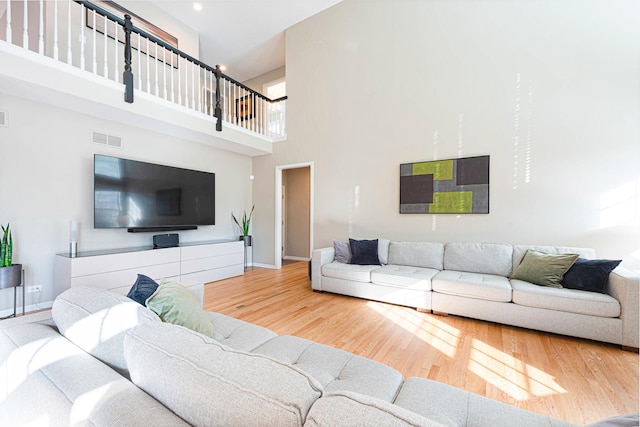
(148, 197)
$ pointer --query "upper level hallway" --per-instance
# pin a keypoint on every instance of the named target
(72, 55)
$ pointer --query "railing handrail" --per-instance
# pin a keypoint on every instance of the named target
(178, 52)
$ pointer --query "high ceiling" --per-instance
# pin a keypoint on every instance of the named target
(246, 36)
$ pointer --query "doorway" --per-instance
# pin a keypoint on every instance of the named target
(294, 213)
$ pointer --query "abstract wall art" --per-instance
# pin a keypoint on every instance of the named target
(453, 186)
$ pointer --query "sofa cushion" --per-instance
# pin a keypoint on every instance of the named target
(348, 409)
(404, 276)
(589, 274)
(335, 369)
(207, 383)
(452, 406)
(417, 254)
(47, 380)
(236, 333)
(486, 258)
(544, 269)
(96, 320)
(520, 250)
(356, 273)
(569, 300)
(176, 304)
(364, 252)
(472, 285)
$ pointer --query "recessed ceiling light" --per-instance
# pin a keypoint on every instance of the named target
(197, 7)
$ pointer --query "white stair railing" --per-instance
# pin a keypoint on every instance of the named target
(58, 29)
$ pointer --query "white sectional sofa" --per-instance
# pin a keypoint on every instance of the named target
(474, 280)
(100, 359)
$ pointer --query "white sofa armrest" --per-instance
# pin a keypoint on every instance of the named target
(320, 257)
(623, 285)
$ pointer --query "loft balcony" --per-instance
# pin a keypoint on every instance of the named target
(75, 55)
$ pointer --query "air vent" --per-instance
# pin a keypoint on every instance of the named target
(4, 120)
(105, 139)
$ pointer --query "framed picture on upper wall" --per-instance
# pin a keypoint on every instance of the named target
(244, 108)
(452, 186)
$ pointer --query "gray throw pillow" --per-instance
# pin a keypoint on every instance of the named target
(342, 252)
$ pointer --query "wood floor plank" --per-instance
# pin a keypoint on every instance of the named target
(576, 380)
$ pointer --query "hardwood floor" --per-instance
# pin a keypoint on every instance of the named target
(576, 380)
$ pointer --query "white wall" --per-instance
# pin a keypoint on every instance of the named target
(549, 89)
(46, 172)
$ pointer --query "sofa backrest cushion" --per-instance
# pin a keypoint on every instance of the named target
(520, 250)
(348, 409)
(485, 258)
(207, 383)
(416, 254)
(96, 320)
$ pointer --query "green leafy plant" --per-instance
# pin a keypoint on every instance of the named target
(6, 247)
(246, 221)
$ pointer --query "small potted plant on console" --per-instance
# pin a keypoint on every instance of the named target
(244, 226)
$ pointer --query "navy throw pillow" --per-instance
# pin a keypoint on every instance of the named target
(589, 274)
(142, 289)
(364, 252)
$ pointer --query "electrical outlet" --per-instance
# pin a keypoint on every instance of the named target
(34, 289)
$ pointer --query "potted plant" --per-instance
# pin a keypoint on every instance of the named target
(244, 226)
(10, 274)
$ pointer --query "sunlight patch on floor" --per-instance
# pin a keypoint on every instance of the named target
(517, 379)
(437, 334)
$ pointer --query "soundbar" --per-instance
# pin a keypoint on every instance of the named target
(162, 228)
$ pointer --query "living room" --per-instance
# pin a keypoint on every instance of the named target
(549, 90)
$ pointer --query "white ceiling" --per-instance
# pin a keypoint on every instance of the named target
(246, 36)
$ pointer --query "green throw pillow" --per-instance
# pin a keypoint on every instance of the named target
(176, 304)
(544, 269)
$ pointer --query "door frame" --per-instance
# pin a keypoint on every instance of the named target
(278, 206)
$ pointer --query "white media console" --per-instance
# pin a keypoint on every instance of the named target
(117, 269)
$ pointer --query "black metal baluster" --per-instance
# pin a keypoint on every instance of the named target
(127, 76)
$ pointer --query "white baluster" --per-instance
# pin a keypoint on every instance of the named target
(25, 32)
(69, 53)
(83, 40)
(164, 72)
(116, 69)
(55, 30)
(199, 91)
(8, 32)
(139, 64)
(94, 50)
(41, 35)
(193, 86)
(105, 71)
(155, 68)
(172, 85)
(148, 71)
(179, 82)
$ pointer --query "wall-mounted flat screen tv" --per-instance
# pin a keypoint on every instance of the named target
(144, 196)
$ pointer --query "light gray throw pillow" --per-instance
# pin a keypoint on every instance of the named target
(342, 252)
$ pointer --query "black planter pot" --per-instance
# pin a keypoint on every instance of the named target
(247, 240)
(10, 277)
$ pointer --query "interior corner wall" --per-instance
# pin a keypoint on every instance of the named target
(549, 90)
(47, 180)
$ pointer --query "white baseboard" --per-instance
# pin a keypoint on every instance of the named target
(271, 266)
(296, 258)
(27, 308)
